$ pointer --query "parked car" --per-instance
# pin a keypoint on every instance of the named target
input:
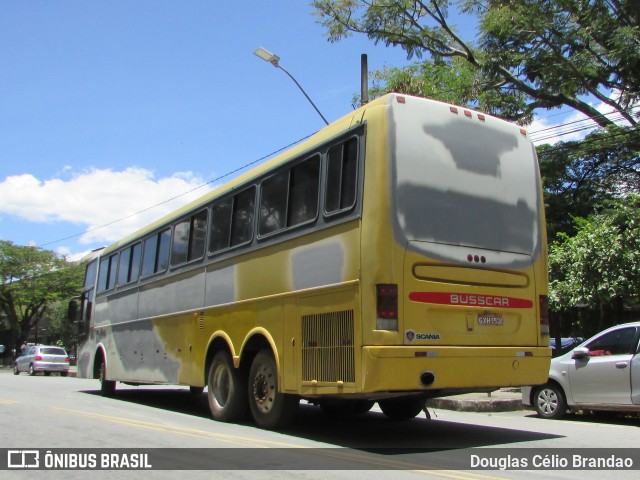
(42, 358)
(602, 373)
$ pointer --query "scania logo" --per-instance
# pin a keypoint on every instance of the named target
(411, 336)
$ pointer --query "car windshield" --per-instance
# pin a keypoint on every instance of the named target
(52, 351)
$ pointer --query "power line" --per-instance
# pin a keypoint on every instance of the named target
(232, 172)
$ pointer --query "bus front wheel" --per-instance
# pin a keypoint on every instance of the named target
(107, 387)
(270, 408)
(226, 391)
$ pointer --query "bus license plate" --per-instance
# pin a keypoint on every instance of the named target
(490, 319)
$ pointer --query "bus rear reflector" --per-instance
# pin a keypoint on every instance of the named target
(387, 306)
(544, 315)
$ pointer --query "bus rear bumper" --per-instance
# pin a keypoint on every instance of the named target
(404, 369)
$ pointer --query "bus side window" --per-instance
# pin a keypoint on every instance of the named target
(290, 197)
(129, 265)
(342, 173)
(155, 256)
(107, 273)
(242, 220)
(189, 237)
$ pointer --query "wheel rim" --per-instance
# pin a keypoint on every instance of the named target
(264, 389)
(547, 401)
(221, 385)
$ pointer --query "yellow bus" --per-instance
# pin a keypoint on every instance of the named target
(398, 254)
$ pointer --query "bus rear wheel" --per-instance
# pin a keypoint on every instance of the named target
(401, 409)
(226, 391)
(270, 408)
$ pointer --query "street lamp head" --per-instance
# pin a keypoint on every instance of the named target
(267, 56)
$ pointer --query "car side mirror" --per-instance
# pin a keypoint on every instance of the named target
(580, 352)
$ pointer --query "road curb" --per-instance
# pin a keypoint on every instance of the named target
(476, 405)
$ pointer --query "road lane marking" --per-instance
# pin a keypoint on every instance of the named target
(4, 401)
(234, 439)
(257, 443)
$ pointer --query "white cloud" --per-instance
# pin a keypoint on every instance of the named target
(573, 126)
(98, 197)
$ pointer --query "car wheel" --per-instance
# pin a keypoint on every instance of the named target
(32, 372)
(46, 373)
(16, 370)
(549, 401)
(64, 374)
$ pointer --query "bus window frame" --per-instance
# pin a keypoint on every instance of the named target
(329, 215)
(232, 196)
(157, 233)
(190, 220)
(288, 167)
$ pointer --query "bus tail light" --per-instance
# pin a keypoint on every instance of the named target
(544, 315)
(387, 306)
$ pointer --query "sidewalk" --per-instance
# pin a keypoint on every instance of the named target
(502, 400)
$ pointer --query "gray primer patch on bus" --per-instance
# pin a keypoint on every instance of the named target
(317, 265)
(220, 288)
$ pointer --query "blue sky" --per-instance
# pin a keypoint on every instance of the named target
(110, 107)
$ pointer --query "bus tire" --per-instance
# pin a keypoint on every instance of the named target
(226, 391)
(270, 408)
(107, 387)
(401, 409)
(346, 407)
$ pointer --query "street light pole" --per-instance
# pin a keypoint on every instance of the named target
(274, 60)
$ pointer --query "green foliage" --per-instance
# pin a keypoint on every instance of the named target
(527, 55)
(31, 280)
(580, 177)
(600, 264)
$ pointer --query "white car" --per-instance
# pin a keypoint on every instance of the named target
(43, 358)
(602, 373)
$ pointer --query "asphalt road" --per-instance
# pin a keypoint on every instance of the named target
(53, 413)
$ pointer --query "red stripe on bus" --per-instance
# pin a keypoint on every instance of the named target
(470, 300)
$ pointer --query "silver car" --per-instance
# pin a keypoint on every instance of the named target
(602, 373)
(43, 358)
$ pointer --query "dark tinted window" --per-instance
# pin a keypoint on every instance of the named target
(273, 203)
(303, 193)
(220, 224)
(53, 351)
(342, 175)
(618, 342)
(129, 265)
(243, 213)
(232, 220)
(156, 253)
(290, 197)
(107, 273)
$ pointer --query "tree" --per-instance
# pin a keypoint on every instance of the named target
(582, 177)
(31, 279)
(528, 55)
(598, 269)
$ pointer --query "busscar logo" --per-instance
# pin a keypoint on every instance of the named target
(23, 459)
(411, 336)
